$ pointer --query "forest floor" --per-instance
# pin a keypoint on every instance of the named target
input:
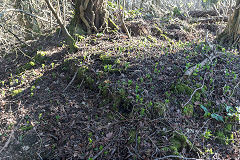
(121, 99)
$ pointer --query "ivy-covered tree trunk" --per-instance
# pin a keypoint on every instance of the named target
(90, 16)
(231, 34)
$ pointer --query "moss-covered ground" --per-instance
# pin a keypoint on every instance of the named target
(121, 99)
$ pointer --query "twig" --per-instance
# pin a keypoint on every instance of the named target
(25, 54)
(198, 133)
(19, 10)
(99, 153)
(10, 137)
(154, 144)
(195, 91)
(123, 22)
(173, 156)
(8, 141)
(15, 36)
(234, 89)
(70, 39)
(71, 81)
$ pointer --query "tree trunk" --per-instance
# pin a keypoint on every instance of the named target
(231, 34)
(90, 16)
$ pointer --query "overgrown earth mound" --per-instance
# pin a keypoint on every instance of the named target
(120, 98)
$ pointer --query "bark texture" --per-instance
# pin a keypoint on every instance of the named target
(231, 34)
(90, 16)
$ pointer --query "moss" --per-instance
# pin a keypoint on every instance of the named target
(152, 39)
(197, 97)
(221, 138)
(228, 128)
(26, 66)
(40, 57)
(204, 88)
(90, 82)
(159, 108)
(188, 110)
(179, 141)
(183, 89)
(165, 149)
(132, 136)
(174, 150)
(106, 59)
(16, 92)
(176, 144)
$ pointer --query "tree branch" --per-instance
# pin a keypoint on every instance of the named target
(69, 37)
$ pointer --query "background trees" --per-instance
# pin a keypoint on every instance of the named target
(24, 20)
(230, 35)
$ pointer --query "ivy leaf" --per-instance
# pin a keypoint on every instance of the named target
(230, 111)
(229, 108)
(217, 117)
(205, 109)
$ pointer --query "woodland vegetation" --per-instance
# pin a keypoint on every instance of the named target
(119, 79)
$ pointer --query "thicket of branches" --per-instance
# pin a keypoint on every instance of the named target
(22, 20)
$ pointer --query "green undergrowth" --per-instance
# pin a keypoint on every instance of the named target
(178, 143)
(39, 58)
(95, 81)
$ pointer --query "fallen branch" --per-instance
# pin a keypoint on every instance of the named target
(205, 61)
(212, 56)
(70, 39)
(71, 81)
(210, 20)
(195, 92)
